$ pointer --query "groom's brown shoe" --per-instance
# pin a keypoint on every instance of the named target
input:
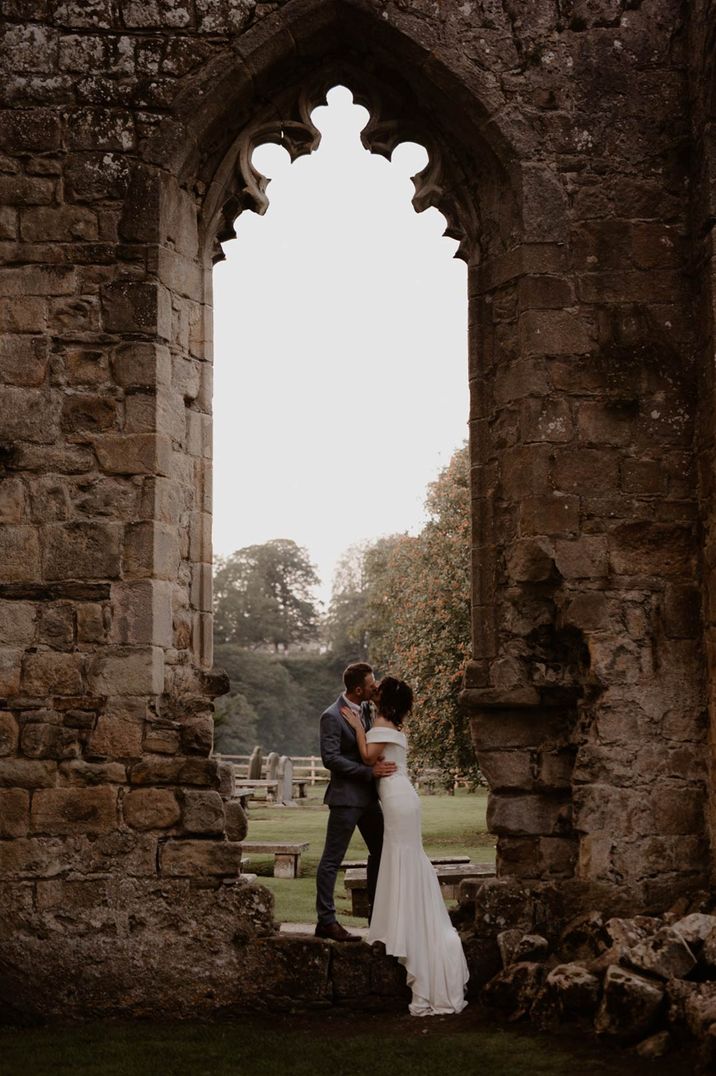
(335, 932)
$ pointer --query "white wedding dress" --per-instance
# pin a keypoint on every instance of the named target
(409, 913)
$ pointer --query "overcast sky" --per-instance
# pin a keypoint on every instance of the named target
(340, 350)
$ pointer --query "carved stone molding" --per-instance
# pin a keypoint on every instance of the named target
(287, 122)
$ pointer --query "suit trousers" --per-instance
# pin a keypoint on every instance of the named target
(342, 822)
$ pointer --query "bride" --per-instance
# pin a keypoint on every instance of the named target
(409, 914)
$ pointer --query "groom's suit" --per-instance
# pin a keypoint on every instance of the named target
(352, 797)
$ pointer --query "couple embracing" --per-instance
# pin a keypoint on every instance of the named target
(364, 747)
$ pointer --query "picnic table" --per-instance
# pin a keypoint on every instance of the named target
(449, 874)
(243, 795)
(286, 856)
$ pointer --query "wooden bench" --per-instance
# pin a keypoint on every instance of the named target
(243, 795)
(286, 857)
(270, 787)
(437, 861)
(449, 875)
(300, 783)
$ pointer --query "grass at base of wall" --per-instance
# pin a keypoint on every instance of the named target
(452, 825)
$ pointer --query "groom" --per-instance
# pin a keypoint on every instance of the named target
(352, 796)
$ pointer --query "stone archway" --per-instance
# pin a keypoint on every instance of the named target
(587, 679)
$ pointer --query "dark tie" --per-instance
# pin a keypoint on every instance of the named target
(365, 715)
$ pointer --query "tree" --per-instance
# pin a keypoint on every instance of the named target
(416, 617)
(346, 625)
(274, 701)
(263, 596)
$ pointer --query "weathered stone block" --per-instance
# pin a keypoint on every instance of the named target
(591, 469)
(203, 812)
(531, 560)
(17, 622)
(50, 741)
(201, 587)
(549, 332)
(137, 307)
(237, 825)
(127, 671)
(78, 773)
(665, 954)
(87, 414)
(58, 223)
(14, 812)
(682, 611)
(117, 736)
(546, 420)
(19, 553)
(91, 626)
(527, 814)
(553, 513)
(197, 735)
(151, 550)
(515, 989)
(50, 673)
(516, 380)
(28, 857)
(644, 477)
(630, 1005)
(606, 423)
(176, 771)
(590, 612)
(133, 453)
(646, 548)
(582, 558)
(9, 734)
(151, 808)
(10, 672)
(162, 739)
(23, 315)
(192, 859)
(575, 990)
(82, 550)
(23, 360)
(142, 613)
(30, 415)
(74, 810)
(29, 129)
(26, 190)
(56, 625)
(39, 280)
(141, 366)
(27, 773)
(509, 770)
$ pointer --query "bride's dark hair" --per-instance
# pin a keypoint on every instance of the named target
(395, 699)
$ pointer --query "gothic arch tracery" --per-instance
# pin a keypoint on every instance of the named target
(287, 122)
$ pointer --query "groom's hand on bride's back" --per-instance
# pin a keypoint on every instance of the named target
(381, 768)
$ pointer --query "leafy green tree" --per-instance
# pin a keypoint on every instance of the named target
(417, 618)
(274, 701)
(346, 621)
(263, 596)
(235, 725)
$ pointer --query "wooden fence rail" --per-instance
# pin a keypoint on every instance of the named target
(307, 767)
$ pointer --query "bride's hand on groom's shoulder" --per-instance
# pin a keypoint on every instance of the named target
(352, 719)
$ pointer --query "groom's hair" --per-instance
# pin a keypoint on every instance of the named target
(355, 674)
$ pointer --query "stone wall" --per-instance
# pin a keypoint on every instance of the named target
(563, 140)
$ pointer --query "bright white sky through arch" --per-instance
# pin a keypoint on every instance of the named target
(340, 325)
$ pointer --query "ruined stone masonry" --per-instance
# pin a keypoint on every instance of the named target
(572, 148)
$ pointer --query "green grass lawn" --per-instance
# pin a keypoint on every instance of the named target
(335, 1043)
(452, 825)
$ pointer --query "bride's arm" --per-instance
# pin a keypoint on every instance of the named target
(369, 752)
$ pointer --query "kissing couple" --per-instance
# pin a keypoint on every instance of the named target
(365, 749)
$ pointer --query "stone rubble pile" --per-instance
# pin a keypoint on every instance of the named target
(647, 982)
